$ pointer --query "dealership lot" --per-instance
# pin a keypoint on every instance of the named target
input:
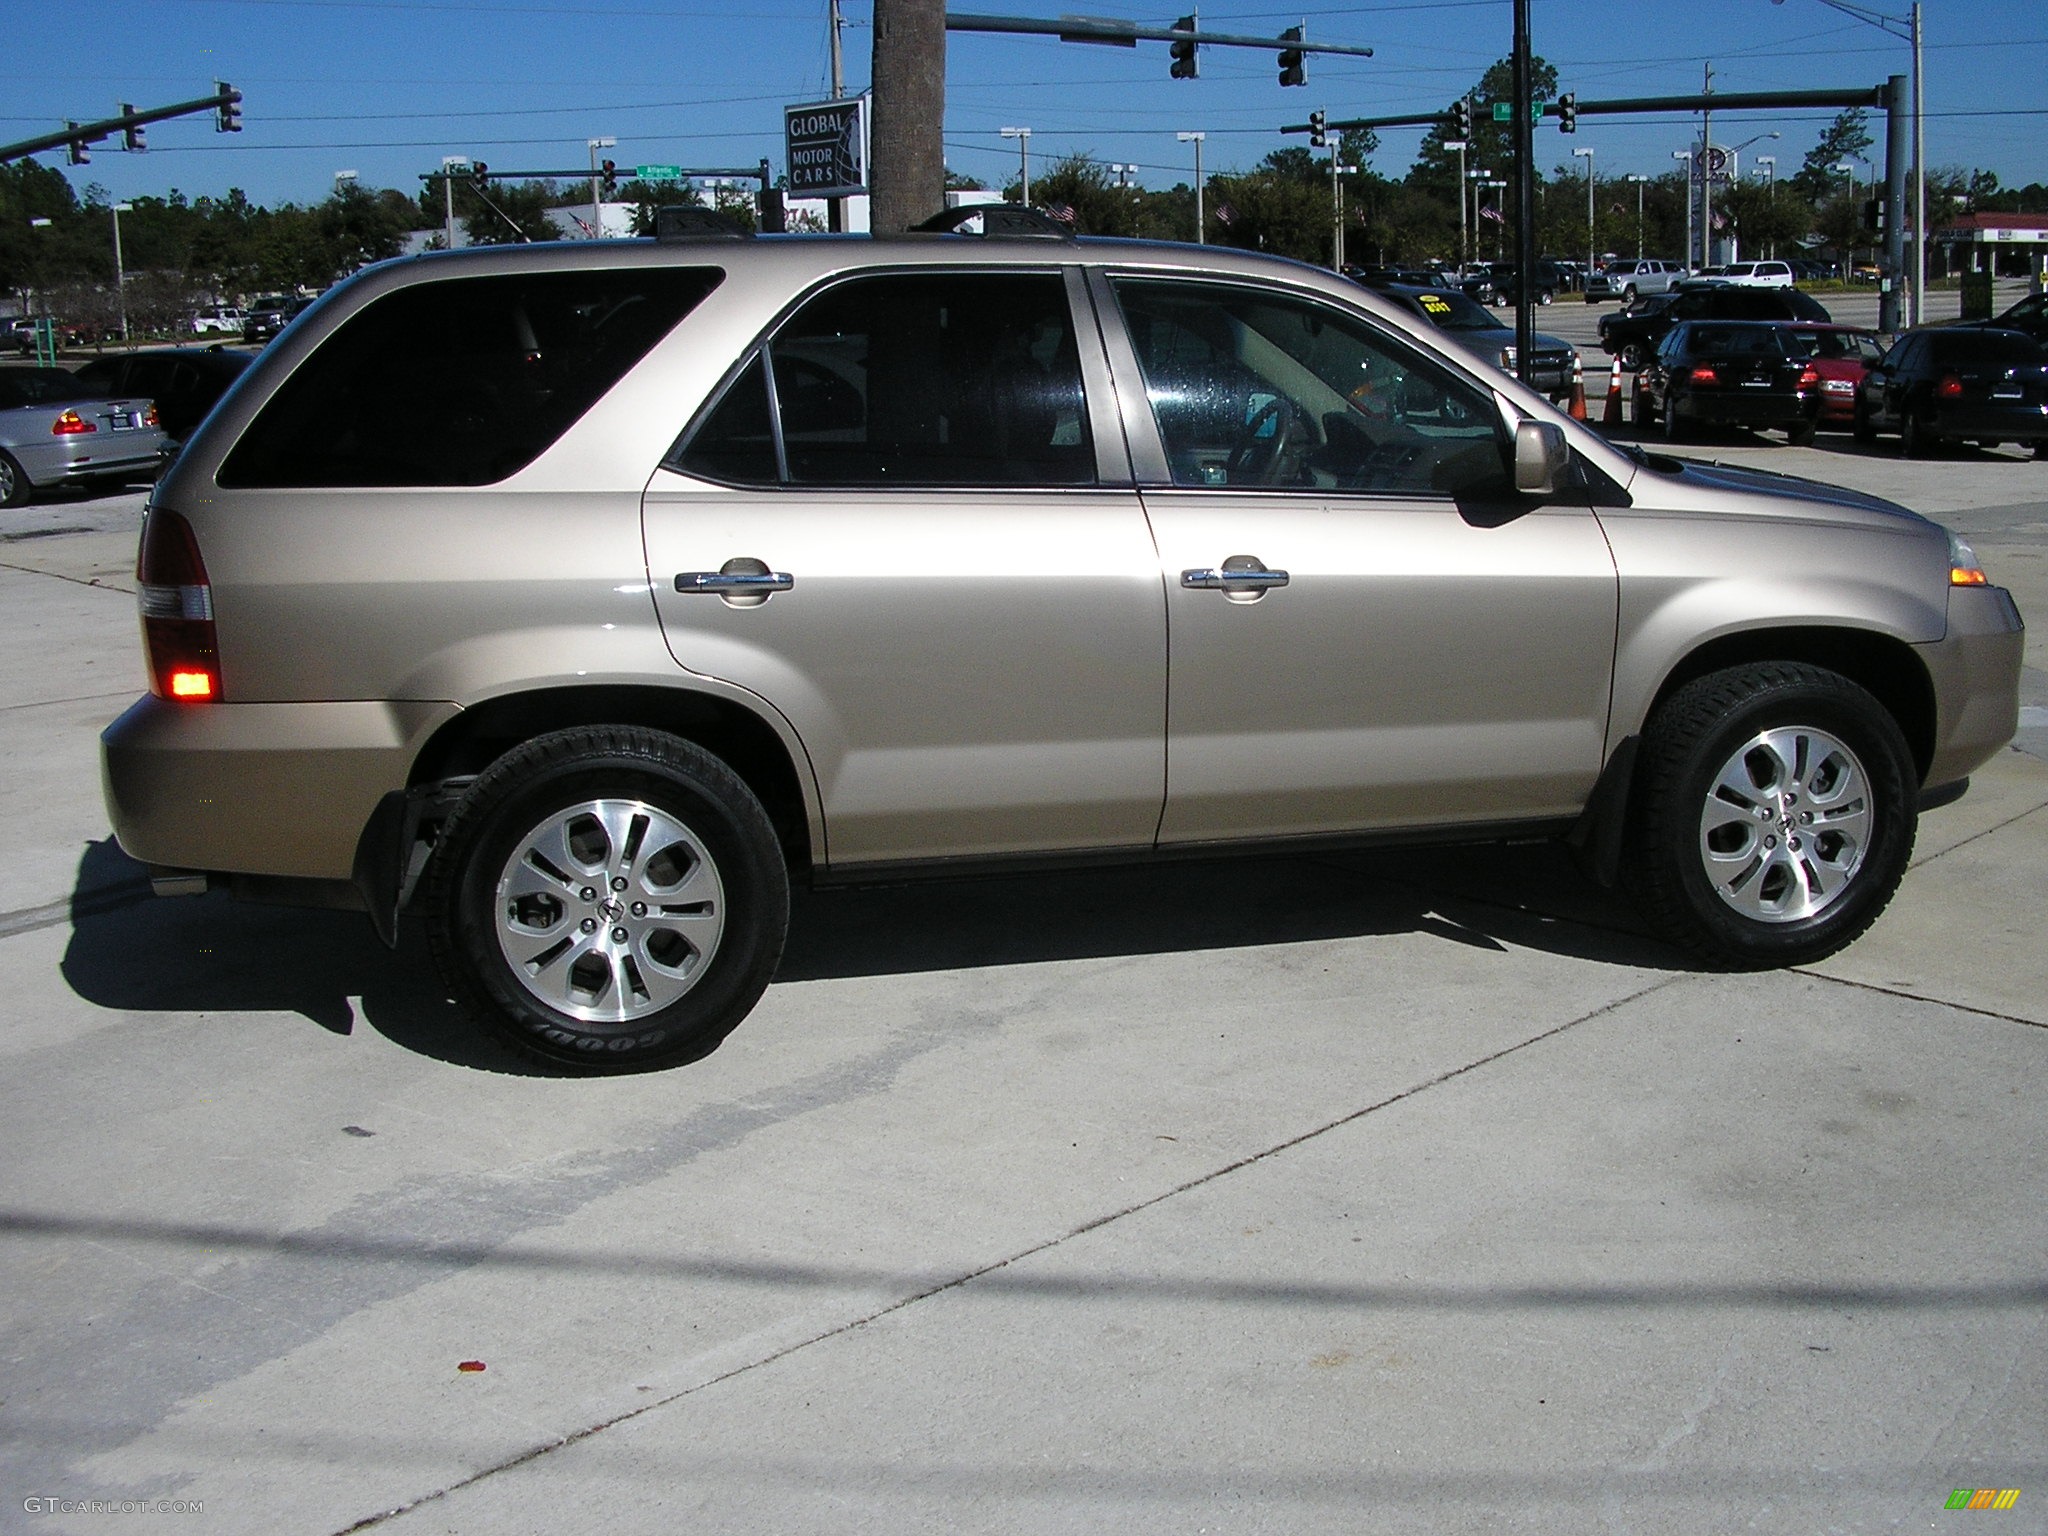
(1404, 1190)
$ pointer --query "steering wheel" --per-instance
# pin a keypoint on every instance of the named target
(1254, 457)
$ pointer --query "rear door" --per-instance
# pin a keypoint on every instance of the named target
(1368, 629)
(907, 524)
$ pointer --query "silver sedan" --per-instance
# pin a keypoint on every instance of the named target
(56, 429)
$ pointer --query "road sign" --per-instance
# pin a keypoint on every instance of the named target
(657, 173)
(826, 144)
(1504, 111)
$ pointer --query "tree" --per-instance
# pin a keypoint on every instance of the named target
(1492, 143)
(647, 196)
(507, 213)
(1847, 137)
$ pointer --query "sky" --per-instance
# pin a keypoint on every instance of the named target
(386, 88)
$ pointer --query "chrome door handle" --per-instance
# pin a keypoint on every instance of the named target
(1240, 573)
(734, 583)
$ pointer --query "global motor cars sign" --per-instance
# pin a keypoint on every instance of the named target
(826, 143)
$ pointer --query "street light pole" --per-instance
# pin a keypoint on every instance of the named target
(1464, 245)
(1023, 138)
(121, 276)
(1770, 165)
(1591, 249)
(596, 202)
(448, 165)
(1686, 156)
(1641, 182)
(1196, 138)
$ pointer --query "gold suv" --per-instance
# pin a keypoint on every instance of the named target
(578, 598)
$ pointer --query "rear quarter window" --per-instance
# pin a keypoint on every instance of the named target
(462, 381)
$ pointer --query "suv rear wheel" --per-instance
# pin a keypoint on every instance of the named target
(1773, 815)
(609, 898)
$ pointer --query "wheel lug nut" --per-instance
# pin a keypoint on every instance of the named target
(1792, 843)
(619, 935)
(618, 883)
(589, 925)
(639, 909)
(1770, 842)
(588, 893)
(1806, 817)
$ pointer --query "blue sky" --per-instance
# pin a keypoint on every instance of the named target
(387, 87)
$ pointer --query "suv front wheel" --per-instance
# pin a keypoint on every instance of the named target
(1773, 815)
(610, 899)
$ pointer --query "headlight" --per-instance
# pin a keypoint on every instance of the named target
(1508, 357)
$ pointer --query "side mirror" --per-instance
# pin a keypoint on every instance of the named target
(1540, 457)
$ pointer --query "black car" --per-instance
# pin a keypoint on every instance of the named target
(1944, 383)
(1732, 373)
(1632, 334)
(2029, 316)
(1550, 279)
(183, 381)
(1553, 365)
(268, 317)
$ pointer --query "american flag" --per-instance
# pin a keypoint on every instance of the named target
(1062, 211)
(1493, 213)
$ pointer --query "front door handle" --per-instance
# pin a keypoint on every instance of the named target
(1241, 579)
(743, 583)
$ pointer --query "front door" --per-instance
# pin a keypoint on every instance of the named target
(1369, 629)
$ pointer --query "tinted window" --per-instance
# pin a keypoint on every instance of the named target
(1999, 349)
(460, 382)
(737, 440)
(1736, 340)
(44, 386)
(1256, 389)
(933, 379)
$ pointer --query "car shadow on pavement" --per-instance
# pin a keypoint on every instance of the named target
(209, 954)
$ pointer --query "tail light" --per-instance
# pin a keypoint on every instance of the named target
(150, 417)
(178, 637)
(1950, 388)
(70, 424)
(1705, 376)
(1809, 378)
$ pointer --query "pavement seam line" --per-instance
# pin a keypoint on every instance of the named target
(95, 903)
(1919, 997)
(95, 585)
(940, 1288)
(1975, 837)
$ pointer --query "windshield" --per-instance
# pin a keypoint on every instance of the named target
(1833, 346)
(44, 386)
(1453, 311)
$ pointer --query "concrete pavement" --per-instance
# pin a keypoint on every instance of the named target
(1413, 1191)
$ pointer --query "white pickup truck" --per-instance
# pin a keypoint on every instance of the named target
(1627, 278)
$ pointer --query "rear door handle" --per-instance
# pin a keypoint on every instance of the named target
(1244, 574)
(742, 582)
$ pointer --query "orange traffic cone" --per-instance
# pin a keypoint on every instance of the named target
(1612, 417)
(1578, 405)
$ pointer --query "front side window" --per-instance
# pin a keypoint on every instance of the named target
(462, 381)
(912, 379)
(1255, 389)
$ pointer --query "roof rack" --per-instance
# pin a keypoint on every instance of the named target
(675, 223)
(1008, 220)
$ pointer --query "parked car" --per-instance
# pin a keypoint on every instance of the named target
(1841, 355)
(184, 382)
(1554, 366)
(267, 318)
(1728, 373)
(1550, 279)
(1632, 334)
(1941, 384)
(217, 320)
(1757, 274)
(2029, 316)
(56, 429)
(1631, 278)
(722, 563)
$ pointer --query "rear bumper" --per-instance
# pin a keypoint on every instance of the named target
(1975, 669)
(2000, 423)
(1733, 410)
(256, 789)
(90, 455)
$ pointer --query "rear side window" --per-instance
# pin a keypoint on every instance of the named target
(460, 382)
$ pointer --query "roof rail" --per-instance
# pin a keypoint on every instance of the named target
(1007, 220)
(675, 223)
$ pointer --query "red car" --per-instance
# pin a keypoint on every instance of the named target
(1841, 355)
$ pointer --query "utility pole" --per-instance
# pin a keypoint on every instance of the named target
(448, 166)
(120, 276)
(1525, 198)
(908, 173)
(597, 203)
(1196, 138)
(1706, 168)
(1023, 138)
(1464, 241)
(1685, 259)
(835, 207)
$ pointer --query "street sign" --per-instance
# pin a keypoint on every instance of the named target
(657, 173)
(1504, 111)
(826, 146)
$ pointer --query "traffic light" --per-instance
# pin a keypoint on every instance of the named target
(1568, 113)
(78, 153)
(1319, 128)
(1184, 66)
(1461, 118)
(480, 173)
(1291, 71)
(227, 117)
(608, 177)
(1874, 214)
(133, 136)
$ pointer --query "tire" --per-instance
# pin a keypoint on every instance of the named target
(1645, 408)
(1736, 770)
(608, 899)
(1674, 432)
(1801, 434)
(1628, 296)
(2041, 450)
(1915, 441)
(1632, 356)
(1860, 427)
(14, 486)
